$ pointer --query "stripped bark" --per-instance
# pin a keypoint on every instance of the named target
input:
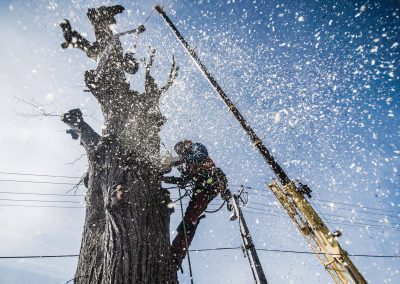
(126, 232)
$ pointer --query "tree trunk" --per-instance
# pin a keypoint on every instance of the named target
(126, 232)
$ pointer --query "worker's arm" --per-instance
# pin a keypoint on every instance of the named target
(179, 181)
(172, 179)
(226, 195)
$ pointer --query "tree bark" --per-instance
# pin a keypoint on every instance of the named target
(126, 232)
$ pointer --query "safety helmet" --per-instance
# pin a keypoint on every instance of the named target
(183, 147)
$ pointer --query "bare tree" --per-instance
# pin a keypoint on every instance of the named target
(126, 233)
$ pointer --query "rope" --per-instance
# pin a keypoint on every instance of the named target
(216, 210)
(148, 17)
(186, 241)
(181, 197)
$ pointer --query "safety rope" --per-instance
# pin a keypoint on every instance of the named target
(185, 233)
(216, 210)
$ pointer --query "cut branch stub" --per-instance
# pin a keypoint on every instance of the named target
(89, 137)
(126, 232)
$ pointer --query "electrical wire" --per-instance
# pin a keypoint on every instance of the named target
(358, 225)
(264, 212)
(282, 214)
(323, 200)
(39, 200)
(324, 206)
(36, 175)
(247, 187)
(33, 181)
(215, 249)
(40, 206)
(327, 214)
(41, 194)
(251, 193)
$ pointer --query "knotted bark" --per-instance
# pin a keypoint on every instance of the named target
(126, 233)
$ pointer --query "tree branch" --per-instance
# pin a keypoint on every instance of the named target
(89, 137)
(149, 84)
(173, 74)
(41, 112)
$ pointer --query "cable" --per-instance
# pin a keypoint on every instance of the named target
(215, 249)
(36, 175)
(41, 194)
(366, 224)
(365, 212)
(323, 200)
(247, 187)
(327, 214)
(41, 182)
(39, 200)
(359, 206)
(40, 206)
(39, 256)
(359, 225)
(216, 210)
(324, 206)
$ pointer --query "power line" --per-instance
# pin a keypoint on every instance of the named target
(359, 225)
(356, 205)
(214, 249)
(39, 256)
(279, 214)
(41, 194)
(39, 200)
(364, 212)
(327, 214)
(324, 206)
(40, 206)
(36, 175)
(247, 187)
(323, 200)
(375, 225)
(265, 205)
(41, 182)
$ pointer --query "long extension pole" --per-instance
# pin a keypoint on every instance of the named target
(280, 173)
(248, 245)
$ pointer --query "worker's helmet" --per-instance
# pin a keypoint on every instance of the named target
(183, 148)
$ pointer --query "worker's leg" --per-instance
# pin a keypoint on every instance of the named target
(196, 207)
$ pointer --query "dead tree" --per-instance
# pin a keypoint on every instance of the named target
(126, 233)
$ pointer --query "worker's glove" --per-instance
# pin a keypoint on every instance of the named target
(226, 195)
(166, 162)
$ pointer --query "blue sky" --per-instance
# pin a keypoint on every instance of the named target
(319, 82)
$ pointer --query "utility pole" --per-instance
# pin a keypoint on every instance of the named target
(248, 245)
(321, 240)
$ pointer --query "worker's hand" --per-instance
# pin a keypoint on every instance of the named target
(166, 162)
(226, 195)
(229, 206)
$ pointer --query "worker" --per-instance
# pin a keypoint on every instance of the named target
(208, 181)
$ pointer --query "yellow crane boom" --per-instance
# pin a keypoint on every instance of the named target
(324, 243)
